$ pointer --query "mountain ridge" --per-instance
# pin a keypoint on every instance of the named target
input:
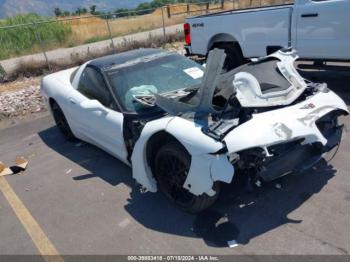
(10, 8)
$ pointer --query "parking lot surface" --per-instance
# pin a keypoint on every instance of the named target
(75, 199)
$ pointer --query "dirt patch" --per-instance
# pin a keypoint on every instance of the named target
(20, 83)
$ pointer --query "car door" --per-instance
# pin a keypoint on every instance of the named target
(323, 29)
(96, 115)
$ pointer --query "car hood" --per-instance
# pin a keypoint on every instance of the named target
(286, 124)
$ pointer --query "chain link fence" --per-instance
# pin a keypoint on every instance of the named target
(51, 43)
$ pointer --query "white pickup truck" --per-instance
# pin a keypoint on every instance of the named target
(317, 29)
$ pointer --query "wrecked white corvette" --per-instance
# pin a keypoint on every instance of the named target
(186, 129)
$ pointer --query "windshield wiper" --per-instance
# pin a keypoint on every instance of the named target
(150, 100)
(145, 100)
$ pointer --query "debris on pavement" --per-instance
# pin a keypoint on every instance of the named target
(232, 243)
(20, 165)
(21, 162)
(258, 183)
(4, 170)
(244, 205)
(124, 223)
(68, 171)
(80, 144)
(278, 186)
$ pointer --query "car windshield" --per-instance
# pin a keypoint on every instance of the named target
(163, 74)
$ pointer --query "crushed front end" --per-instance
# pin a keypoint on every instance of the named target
(271, 162)
(269, 119)
(287, 140)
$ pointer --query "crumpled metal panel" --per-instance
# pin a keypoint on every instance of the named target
(216, 59)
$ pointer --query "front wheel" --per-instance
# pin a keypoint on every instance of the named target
(61, 122)
(172, 164)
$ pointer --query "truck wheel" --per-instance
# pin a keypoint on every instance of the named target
(172, 164)
(234, 57)
(61, 122)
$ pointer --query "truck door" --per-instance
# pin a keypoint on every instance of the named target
(323, 29)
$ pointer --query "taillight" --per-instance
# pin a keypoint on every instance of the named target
(187, 31)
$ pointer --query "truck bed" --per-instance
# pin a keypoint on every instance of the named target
(255, 29)
(243, 10)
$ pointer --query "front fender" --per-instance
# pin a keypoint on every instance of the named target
(141, 171)
(190, 135)
(205, 169)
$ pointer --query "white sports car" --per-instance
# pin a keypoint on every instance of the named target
(185, 128)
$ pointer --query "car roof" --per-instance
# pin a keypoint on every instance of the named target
(120, 58)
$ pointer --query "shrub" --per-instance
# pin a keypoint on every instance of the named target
(23, 40)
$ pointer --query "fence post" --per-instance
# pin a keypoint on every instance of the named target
(168, 11)
(222, 4)
(188, 8)
(110, 34)
(163, 24)
(207, 7)
(41, 43)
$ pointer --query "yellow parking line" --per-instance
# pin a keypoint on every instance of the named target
(42, 242)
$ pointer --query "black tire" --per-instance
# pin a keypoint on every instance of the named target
(234, 57)
(172, 164)
(61, 122)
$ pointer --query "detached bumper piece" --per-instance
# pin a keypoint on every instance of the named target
(294, 157)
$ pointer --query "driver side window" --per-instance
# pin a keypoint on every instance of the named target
(92, 85)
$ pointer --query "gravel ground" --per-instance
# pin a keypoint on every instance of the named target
(21, 102)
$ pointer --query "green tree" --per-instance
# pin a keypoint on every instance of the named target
(92, 9)
(78, 11)
(81, 10)
(122, 12)
(57, 12)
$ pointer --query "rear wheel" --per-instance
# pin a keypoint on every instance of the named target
(61, 122)
(172, 164)
(234, 57)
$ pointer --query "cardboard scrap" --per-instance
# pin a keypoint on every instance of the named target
(4, 170)
(21, 164)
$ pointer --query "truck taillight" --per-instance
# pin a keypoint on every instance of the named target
(187, 32)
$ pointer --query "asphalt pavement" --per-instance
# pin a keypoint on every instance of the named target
(83, 201)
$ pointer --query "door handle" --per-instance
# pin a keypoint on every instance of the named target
(310, 15)
(72, 101)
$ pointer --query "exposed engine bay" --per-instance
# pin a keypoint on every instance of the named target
(224, 101)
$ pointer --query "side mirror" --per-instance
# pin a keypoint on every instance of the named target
(93, 105)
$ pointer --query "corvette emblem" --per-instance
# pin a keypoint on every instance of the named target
(308, 106)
